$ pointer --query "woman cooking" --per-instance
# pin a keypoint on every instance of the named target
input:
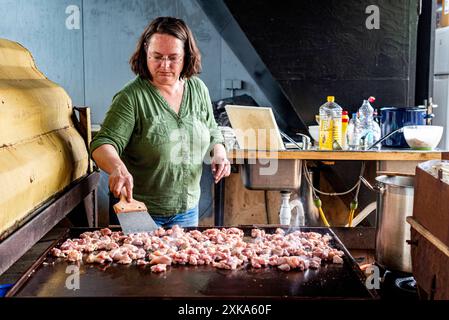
(160, 127)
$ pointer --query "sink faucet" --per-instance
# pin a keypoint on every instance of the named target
(306, 142)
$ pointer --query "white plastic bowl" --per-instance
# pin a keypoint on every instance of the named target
(315, 132)
(423, 137)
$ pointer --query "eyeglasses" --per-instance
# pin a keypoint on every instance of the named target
(171, 60)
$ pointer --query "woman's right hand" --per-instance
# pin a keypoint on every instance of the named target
(119, 179)
(107, 159)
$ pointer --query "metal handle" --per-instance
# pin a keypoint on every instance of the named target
(376, 188)
(385, 137)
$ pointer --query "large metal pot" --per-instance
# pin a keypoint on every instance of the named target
(394, 204)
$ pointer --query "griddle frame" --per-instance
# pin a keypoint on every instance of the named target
(43, 219)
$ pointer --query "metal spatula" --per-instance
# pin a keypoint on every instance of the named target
(133, 216)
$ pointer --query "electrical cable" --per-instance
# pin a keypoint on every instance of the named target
(317, 200)
(355, 202)
(332, 194)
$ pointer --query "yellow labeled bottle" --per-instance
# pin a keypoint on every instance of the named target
(330, 125)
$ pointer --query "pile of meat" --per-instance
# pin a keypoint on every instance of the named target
(222, 248)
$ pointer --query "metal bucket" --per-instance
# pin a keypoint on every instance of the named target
(394, 204)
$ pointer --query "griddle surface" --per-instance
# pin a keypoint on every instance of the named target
(49, 279)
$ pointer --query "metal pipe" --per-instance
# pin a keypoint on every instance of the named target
(376, 188)
(385, 137)
(306, 142)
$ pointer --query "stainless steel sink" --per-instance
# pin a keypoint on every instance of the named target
(271, 174)
(274, 174)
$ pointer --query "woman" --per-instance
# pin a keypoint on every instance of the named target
(160, 127)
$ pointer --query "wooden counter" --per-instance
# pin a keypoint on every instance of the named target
(244, 206)
(382, 155)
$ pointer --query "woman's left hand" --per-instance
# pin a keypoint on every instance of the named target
(221, 167)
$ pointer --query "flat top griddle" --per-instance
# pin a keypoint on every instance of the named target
(48, 277)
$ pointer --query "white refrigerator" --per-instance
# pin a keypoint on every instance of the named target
(441, 84)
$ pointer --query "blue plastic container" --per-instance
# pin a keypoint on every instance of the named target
(393, 118)
(4, 289)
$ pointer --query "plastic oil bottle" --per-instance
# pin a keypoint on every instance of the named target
(330, 125)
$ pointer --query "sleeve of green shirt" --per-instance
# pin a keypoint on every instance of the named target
(118, 125)
(215, 134)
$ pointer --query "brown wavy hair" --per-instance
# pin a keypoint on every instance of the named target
(176, 28)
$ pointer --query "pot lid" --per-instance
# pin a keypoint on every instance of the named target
(419, 108)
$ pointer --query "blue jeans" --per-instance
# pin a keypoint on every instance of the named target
(184, 219)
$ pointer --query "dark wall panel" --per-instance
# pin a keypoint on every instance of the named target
(310, 94)
(319, 48)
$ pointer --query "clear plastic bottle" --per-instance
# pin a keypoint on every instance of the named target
(367, 125)
(330, 125)
(377, 130)
(353, 133)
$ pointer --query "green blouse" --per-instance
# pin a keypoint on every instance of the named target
(162, 150)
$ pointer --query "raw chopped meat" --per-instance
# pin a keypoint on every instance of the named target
(224, 248)
(159, 268)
